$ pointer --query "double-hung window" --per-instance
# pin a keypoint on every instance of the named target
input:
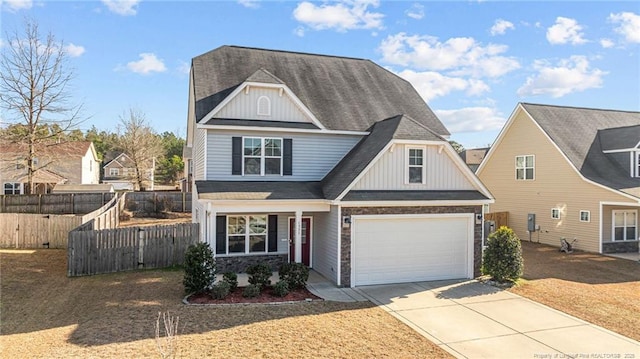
(246, 234)
(525, 167)
(11, 188)
(114, 172)
(262, 156)
(625, 225)
(415, 165)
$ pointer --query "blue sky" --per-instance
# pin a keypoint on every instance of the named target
(472, 61)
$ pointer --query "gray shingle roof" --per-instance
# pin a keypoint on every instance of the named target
(575, 132)
(261, 123)
(381, 133)
(236, 190)
(619, 138)
(413, 196)
(343, 93)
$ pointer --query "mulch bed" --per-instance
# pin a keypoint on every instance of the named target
(266, 296)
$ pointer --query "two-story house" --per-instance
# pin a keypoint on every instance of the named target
(55, 163)
(330, 161)
(567, 172)
(120, 172)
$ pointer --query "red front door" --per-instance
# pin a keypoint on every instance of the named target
(306, 240)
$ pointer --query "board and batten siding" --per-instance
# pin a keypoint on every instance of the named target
(325, 243)
(245, 106)
(199, 150)
(556, 185)
(389, 172)
(314, 155)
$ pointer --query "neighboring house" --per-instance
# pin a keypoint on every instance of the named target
(473, 157)
(576, 169)
(330, 161)
(55, 163)
(120, 171)
(186, 181)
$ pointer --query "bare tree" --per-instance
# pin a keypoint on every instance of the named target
(34, 89)
(140, 142)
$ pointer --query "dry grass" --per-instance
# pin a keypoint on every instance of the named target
(599, 289)
(173, 218)
(46, 314)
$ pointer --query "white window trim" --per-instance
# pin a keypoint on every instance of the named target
(408, 166)
(263, 155)
(588, 216)
(114, 171)
(559, 214)
(635, 165)
(19, 187)
(247, 236)
(613, 224)
(525, 168)
(268, 106)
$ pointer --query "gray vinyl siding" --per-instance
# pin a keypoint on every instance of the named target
(199, 155)
(283, 231)
(314, 155)
(245, 106)
(325, 243)
(389, 172)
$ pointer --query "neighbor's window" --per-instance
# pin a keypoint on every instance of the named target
(262, 156)
(624, 225)
(11, 188)
(246, 234)
(525, 167)
(585, 216)
(416, 167)
(264, 106)
(114, 172)
(555, 213)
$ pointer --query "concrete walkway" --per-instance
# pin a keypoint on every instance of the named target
(474, 320)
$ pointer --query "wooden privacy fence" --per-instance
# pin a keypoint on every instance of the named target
(121, 249)
(500, 218)
(154, 202)
(61, 203)
(20, 230)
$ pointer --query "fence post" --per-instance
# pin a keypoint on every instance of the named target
(141, 247)
(39, 204)
(73, 203)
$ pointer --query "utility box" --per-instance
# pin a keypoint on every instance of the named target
(531, 222)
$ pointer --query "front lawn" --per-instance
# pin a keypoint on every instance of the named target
(45, 314)
(601, 290)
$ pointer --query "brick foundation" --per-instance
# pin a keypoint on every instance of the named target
(239, 264)
(345, 260)
(620, 247)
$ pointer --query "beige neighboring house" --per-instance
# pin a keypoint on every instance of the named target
(576, 170)
(55, 163)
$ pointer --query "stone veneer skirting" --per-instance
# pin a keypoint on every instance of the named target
(345, 260)
(239, 264)
(620, 247)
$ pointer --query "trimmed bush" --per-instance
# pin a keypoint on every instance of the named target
(295, 274)
(251, 291)
(259, 274)
(281, 288)
(232, 279)
(502, 258)
(199, 268)
(220, 290)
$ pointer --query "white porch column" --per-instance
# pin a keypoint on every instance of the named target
(298, 238)
(211, 226)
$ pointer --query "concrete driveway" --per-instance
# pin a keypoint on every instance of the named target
(474, 320)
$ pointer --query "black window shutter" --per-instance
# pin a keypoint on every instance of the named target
(221, 235)
(272, 236)
(236, 155)
(287, 157)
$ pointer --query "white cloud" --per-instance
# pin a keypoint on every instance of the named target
(74, 50)
(430, 84)
(17, 5)
(299, 31)
(500, 27)
(147, 64)
(122, 7)
(184, 68)
(341, 16)
(569, 75)
(606, 43)
(471, 119)
(628, 25)
(564, 31)
(461, 55)
(251, 4)
(416, 11)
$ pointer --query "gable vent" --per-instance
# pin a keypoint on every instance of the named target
(264, 106)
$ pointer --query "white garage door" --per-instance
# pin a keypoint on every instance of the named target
(396, 249)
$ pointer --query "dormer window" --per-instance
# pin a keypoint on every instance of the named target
(636, 165)
(264, 106)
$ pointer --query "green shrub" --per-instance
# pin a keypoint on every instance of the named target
(251, 291)
(502, 258)
(281, 288)
(199, 268)
(259, 274)
(220, 290)
(232, 279)
(295, 274)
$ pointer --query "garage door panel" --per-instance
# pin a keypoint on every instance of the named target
(395, 250)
